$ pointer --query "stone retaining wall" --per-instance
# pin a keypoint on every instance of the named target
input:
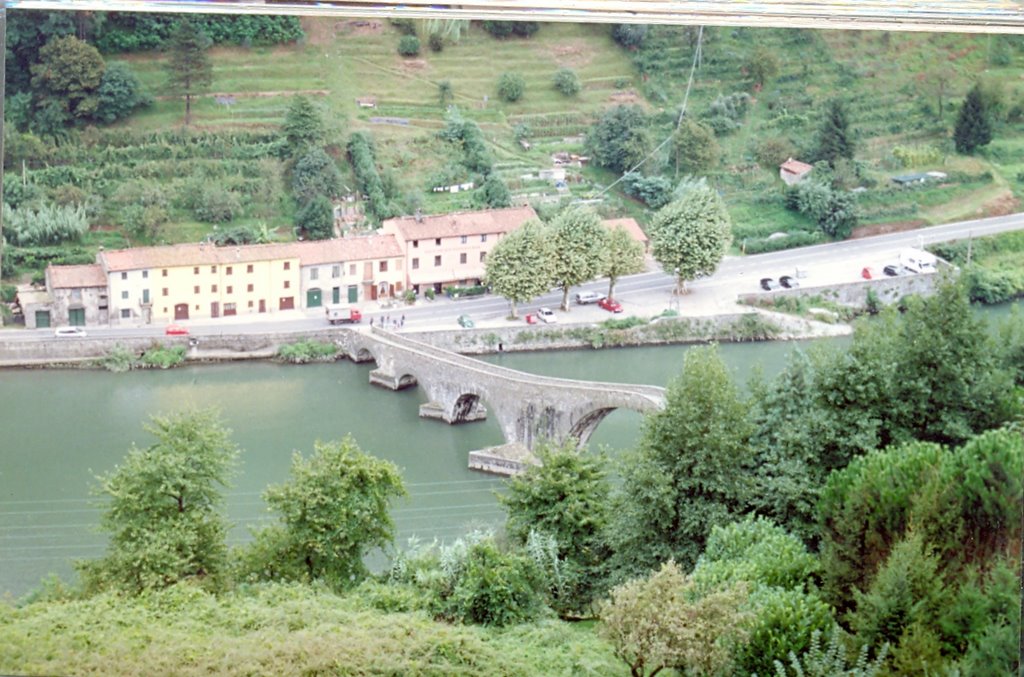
(888, 290)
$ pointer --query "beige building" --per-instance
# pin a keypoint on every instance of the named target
(450, 249)
(350, 270)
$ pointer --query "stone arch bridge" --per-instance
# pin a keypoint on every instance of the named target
(528, 408)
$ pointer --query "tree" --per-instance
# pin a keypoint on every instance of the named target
(761, 66)
(444, 92)
(119, 93)
(163, 507)
(577, 248)
(68, 76)
(694, 147)
(511, 87)
(303, 128)
(973, 128)
(657, 623)
(835, 140)
(690, 236)
(189, 70)
(316, 219)
(630, 36)
(316, 175)
(620, 140)
(624, 256)
(518, 267)
(686, 475)
(567, 82)
(495, 193)
(333, 510)
(409, 45)
(566, 498)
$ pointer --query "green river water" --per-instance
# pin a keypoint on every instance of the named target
(61, 428)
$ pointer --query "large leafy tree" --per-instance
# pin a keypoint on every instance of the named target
(163, 507)
(316, 175)
(518, 267)
(690, 235)
(973, 128)
(189, 70)
(761, 66)
(303, 128)
(623, 256)
(577, 248)
(316, 219)
(333, 510)
(694, 147)
(119, 93)
(658, 622)
(27, 32)
(835, 140)
(67, 77)
(620, 140)
(565, 497)
(686, 475)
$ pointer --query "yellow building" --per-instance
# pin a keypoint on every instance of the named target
(188, 281)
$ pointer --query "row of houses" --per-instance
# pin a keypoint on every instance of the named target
(153, 285)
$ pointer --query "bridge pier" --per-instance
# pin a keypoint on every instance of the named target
(441, 413)
(379, 377)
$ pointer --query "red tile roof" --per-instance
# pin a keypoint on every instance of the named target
(462, 223)
(795, 167)
(74, 277)
(308, 253)
(631, 226)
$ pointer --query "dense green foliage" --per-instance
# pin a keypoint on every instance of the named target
(47, 225)
(694, 148)
(567, 82)
(65, 84)
(511, 87)
(835, 211)
(577, 247)
(409, 45)
(973, 128)
(620, 140)
(333, 511)
(524, 249)
(368, 179)
(624, 256)
(315, 175)
(120, 93)
(690, 236)
(162, 509)
(303, 352)
(835, 139)
(135, 31)
(303, 127)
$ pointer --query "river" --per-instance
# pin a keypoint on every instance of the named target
(61, 428)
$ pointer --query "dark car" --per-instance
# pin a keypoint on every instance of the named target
(789, 282)
(891, 271)
(768, 283)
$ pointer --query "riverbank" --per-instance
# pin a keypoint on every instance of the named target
(751, 325)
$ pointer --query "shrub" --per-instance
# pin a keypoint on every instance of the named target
(567, 82)
(404, 26)
(48, 225)
(493, 588)
(216, 205)
(303, 352)
(655, 191)
(409, 45)
(436, 42)
(511, 87)
(499, 29)
(163, 358)
(630, 36)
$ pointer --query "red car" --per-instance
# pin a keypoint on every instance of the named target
(611, 305)
(176, 330)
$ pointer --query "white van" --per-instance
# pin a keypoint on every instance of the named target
(918, 261)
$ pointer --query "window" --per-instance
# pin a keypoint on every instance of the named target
(437, 241)
(124, 276)
(437, 261)
(464, 239)
(228, 271)
(382, 266)
(482, 256)
(462, 257)
(415, 244)
(213, 288)
(230, 289)
(165, 272)
(248, 288)
(195, 289)
(248, 268)
(415, 264)
(126, 313)
(145, 275)
(213, 269)
(124, 295)
(165, 311)
(335, 271)
(195, 271)
(483, 238)
(76, 294)
(287, 265)
(287, 284)
(230, 309)
(314, 273)
(250, 304)
(163, 292)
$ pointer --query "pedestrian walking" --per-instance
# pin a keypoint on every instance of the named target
(371, 321)
(403, 321)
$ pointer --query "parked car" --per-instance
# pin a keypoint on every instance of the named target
(867, 273)
(892, 270)
(768, 283)
(789, 282)
(466, 321)
(176, 330)
(69, 332)
(546, 315)
(585, 297)
(611, 305)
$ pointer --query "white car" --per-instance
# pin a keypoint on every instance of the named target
(586, 297)
(69, 332)
(546, 315)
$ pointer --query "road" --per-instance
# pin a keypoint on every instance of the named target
(646, 293)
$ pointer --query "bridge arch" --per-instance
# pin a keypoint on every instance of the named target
(585, 426)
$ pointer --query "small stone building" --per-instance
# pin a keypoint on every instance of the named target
(79, 295)
(793, 171)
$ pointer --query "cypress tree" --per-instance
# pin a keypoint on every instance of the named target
(972, 126)
(834, 138)
(189, 70)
